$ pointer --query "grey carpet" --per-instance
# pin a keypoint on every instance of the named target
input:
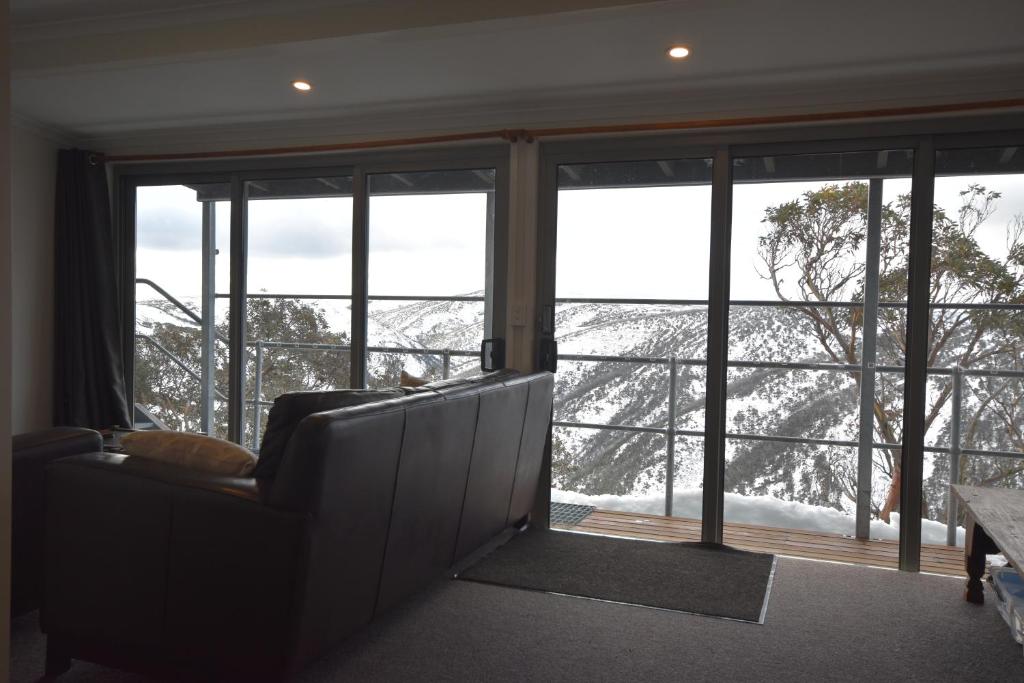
(686, 577)
(827, 622)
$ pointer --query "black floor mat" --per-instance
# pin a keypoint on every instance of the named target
(686, 577)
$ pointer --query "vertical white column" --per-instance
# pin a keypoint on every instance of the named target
(524, 172)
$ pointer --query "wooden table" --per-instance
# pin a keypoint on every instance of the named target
(995, 523)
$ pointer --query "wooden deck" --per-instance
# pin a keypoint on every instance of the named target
(937, 559)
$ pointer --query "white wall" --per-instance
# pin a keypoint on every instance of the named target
(33, 178)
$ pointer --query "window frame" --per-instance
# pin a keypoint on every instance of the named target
(922, 136)
(128, 177)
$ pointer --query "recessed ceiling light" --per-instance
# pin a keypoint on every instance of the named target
(302, 86)
(679, 52)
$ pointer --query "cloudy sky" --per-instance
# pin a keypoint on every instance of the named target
(634, 242)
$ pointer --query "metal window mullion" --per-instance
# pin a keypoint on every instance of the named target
(497, 293)
(360, 274)
(713, 505)
(236, 316)
(208, 317)
(489, 259)
(916, 374)
(868, 357)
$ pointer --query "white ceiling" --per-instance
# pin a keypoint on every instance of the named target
(149, 72)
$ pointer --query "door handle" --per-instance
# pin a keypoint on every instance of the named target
(492, 354)
(548, 354)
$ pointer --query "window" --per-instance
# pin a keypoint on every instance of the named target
(309, 245)
(631, 323)
(816, 321)
(181, 353)
(429, 272)
(975, 414)
(299, 291)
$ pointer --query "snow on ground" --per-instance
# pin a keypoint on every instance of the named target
(760, 510)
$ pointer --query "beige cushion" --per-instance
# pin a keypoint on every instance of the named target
(407, 380)
(194, 451)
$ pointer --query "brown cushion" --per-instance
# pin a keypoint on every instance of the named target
(290, 409)
(192, 451)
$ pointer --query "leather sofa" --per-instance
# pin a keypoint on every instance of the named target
(30, 454)
(157, 568)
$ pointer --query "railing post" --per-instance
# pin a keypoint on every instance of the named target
(670, 462)
(257, 390)
(447, 368)
(954, 455)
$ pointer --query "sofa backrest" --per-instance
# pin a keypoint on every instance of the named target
(398, 491)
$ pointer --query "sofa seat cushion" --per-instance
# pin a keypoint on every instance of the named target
(191, 451)
(290, 409)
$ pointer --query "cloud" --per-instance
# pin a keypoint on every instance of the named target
(300, 228)
(173, 227)
(170, 219)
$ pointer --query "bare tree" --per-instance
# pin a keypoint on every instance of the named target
(814, 252)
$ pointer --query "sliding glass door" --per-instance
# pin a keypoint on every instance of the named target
(975, 417)
(182, 257)
(816, 348)
(298, 312)
(430, 274)
(630, 321)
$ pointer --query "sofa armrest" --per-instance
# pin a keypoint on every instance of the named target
(57, 442)
(246, 488)
(30, 454)
(151, 557)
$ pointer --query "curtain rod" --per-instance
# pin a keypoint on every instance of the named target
(512, 135)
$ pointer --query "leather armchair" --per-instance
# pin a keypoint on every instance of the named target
(30, 454)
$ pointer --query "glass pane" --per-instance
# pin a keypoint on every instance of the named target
(601, 468)
(812, 404)
(429, 273)
(789, 486)
(977, 324)
(176, 384)
(645, 222)
(447, 324)
(299, 281)
(809, 323)
(630, 233)
(384, 369)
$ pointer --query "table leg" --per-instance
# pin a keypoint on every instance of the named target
(978, 545)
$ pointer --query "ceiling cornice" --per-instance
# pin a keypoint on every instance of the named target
(857, 83)
(578, 108)
(59, 136)
(218, 27)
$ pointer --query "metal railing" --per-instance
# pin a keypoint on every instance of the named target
(261, 345)
(670, 432)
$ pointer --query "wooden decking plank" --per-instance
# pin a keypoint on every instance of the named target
(793, 542)
(823, 542)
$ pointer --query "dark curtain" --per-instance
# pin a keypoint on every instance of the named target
(89, 357)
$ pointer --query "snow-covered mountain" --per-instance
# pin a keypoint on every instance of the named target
(631, 465)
